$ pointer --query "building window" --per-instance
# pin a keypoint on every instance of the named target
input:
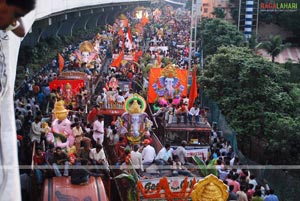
(205, 10)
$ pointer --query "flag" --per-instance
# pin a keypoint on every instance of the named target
(117, 61)
(193, 90)
(129, 35)
(61, 63)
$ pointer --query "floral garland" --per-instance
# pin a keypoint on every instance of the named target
(169, 195)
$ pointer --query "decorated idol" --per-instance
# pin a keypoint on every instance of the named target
(135, 118)
(61, 134)
(86, 54)
(168, 85)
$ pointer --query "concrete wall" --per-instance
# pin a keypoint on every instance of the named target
(64, 18)
(45, 8)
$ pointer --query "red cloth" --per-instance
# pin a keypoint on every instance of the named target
(61, 63)
(129, 35)
(117, 61)
(120, 151)
(92, 115)
(36, 89)
(39, 160)
(76, 84)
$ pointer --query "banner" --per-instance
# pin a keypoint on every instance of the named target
(168, 83)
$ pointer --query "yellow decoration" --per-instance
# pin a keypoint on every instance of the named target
(68, 86)
(135, 104)
(60, 111)
(169, 71)
(122, 17)
(136, 140)
(86, 46)
(72, 150)
(210, 189)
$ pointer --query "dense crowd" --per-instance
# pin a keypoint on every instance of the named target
(163, 37)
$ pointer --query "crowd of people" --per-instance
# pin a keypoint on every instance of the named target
(167, 38)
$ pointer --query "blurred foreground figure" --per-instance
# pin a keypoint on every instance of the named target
(11, 12)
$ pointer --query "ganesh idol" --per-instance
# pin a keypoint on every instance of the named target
(134, 123)
(168, 85)
(61, 132)
(86, 54)
(68, 94)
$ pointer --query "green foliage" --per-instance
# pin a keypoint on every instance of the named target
(133, 178)
(219, 13)
(273, 46)
(256, 97)
(218, 32)
(206, 170)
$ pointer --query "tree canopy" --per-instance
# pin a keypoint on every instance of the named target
(255, 96)
(218, 32)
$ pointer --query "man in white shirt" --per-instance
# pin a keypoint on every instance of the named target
(164, 155)
(78, 134)
(194, 112)
(136, 159)
(148, 153)
(98, 128)
(120, 98)
(98, 158)
(181, 152)
(36, 130)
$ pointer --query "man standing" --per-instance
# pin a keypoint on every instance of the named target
(98, 128)
(136, 159)
(36, 130)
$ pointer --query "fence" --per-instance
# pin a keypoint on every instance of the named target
(284, 182)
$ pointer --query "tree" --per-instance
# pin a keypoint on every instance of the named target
(255, 97)
(217, 32)
(274, 46)
(219, 13)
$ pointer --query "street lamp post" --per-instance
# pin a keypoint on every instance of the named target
(195, 18)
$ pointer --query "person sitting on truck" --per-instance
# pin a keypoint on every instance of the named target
(182, 111)
(179, 169)
(194, 112)
(148, 153)
(80, 175)
(60, 158)
(181, 152)
(164, 156)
